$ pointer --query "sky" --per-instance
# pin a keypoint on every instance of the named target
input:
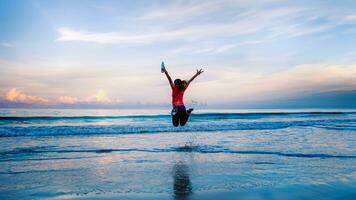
(109, 52)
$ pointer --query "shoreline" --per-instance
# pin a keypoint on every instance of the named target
(337, 190)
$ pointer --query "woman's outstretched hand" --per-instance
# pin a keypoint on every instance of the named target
(199, 71)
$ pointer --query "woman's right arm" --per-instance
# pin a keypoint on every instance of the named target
(169, 78)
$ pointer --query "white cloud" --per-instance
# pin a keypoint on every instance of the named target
(350, 17)
(183, 10)
(67, 34)
(228, 47)
(241, 86)
(74, 82)
(214, 86)
(211, 48)
(99, 97)
(68, 100)
(15, 95)
(243, 19)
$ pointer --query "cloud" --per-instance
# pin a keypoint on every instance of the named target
(239, 86)
(68, 100)
(210, 20)
(218, 84)
(182, 10)
(14, 95)
(99, 97)
(212, 48)
(66, 80)
(350, 17)
(68, 34)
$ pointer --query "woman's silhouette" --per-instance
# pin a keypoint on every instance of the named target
(179, 113)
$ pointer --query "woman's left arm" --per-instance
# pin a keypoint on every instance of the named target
(200, 71)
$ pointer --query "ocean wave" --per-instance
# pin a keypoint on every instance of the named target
(149, 128)
(199, 115)
(43, 159)
(187, 149)
(143, 124)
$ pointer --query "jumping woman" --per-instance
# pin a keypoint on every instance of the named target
(179, 113)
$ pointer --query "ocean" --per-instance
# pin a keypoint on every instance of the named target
(138, 154)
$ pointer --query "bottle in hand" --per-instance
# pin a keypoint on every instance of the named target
(163, 68)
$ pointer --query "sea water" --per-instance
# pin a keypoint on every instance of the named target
(138, 154)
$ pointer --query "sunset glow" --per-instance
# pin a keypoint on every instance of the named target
(250, 51)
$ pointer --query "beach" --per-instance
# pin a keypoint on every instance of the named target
(138, 154)
(177, 100)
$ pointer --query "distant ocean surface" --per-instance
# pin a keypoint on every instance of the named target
(120, 154)
(94, 122)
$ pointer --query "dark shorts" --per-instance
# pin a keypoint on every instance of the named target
(179, 115)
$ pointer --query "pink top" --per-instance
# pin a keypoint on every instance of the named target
(177, 97)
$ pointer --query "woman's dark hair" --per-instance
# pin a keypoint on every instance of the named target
(178, 84)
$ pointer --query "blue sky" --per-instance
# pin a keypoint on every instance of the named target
(109, 52)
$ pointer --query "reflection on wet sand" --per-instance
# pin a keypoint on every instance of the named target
(182, 186)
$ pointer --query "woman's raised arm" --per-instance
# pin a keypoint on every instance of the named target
(169, 78)
(199, 71)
